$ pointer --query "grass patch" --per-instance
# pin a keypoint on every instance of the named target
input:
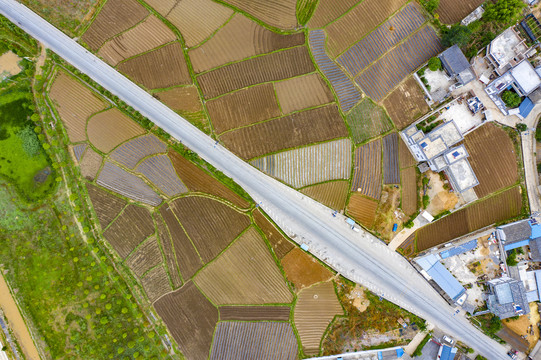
(367, 120)
(305, 10)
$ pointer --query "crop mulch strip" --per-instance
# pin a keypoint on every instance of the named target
(280, 245)
(303, 270)
(367, 178)
(107, 206)
(131, 152)
(247, 313)
(391, 174)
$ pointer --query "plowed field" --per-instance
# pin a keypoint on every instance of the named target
(198, 180)
(168, 252)
(145, 257)
(146, 36)
(332, 194)
(452, 11)
(156, 283)
(302, 92)
(391, 174)
(404, 155)
(162, 6)
(368, 120)
(244, 274)
(90, 164)
(493, 159)
(161, 173)
(210, 224)
(106, 205)
(303, 270)
(272, 67)
(406, 103)
(329, 10)
(280, 245)
(243, 107)
(315, 309)
(298, 129)
(181, 99)
(254, 313)
(187, 312)
(408, 179)
(367, 176)
(239, 39)
(278, 13)
(187, 16)
(362, 209)
(110, 128)
(75, 103)
(132, 227)
(483, 213)
(114, 17)
(161, 68)
(358, 22)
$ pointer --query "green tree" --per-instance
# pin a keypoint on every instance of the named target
(503, 11)
(431, 5)
(511, 99)
(522, 127)
(30, 141)
(434, 64)
(457, 35)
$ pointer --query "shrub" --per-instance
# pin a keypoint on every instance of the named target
(457, 35)
(503, 11)
(522, 127)
(434, 64)
(511, 99)
(512, 258)
(426, 201)
(431, 5)
(30, 141)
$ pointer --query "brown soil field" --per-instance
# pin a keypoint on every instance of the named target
(279, 13)
(315, 309)
(332, 194)
(329, 10)
(239, 39)
(303, 270)
(500, 207)
(406, 103)
(187, 257)
(272, 67)
(187, 16)
(161, 68)
(452, 11)
(244, 274)
(362, 209)
(408, 178)
(145, 257)
(110, 128)
(168, 252)
(162, 6)
(114, 17)
(75, 103)
(294, 130)
(146, 36)
(130, 229)
(156, 283)
(190, 318)
(198, 180)
(243, 107)
(181, 98)
(247, 313)
(496, 167)
(367, 177)
(302, 92)
(351, 27)
(404, 155)
(90, 164)
(210, 224)
(279, 244)
(106, 205)
(408, 246)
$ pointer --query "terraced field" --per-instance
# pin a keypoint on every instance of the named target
(279, 243)
(303, 270)
(362, 209)
(184, 98)
(106, 205)
(156, 283)
(90, 164)
(168, 252)
(133, 151)
(146, 256)
(78, 151)
(391, 174)
(368, 120)
(333, 194)
(108, 129)
(367, 177)
(329, 10)
(406, 159)
(161, 173)
(302, 92)
(452, 11)
(280, 13)
(406, 103)
(409, 190)
(246, 313)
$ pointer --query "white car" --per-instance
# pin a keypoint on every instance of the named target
(448, 340)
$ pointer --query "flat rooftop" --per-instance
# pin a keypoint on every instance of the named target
(462, 175)
(526, 77)
(505, 47)
(432, 148)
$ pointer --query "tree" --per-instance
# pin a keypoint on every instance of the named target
(511, 99)
(431, 5)
(522, 127)
(504, 11)
(30, 141)
(457, 35)
(434, 64)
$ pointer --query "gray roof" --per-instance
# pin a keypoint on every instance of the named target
(517, 231)
(535, 96)
(454, 60)
(535, 249)
(505, 294)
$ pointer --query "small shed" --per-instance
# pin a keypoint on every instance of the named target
(456, 65)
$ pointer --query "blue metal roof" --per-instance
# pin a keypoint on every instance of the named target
(426, 262)
(525, 107)
(399, 352)
(536, 230)
(448, 353)
(446, 281)
(516, 244)
(461, 249)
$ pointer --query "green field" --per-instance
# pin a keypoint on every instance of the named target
(367, 120)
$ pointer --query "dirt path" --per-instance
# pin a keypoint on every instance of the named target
(16, 322)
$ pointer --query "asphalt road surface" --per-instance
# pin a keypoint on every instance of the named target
(358, 256)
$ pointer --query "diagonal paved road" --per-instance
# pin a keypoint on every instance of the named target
(360, 257)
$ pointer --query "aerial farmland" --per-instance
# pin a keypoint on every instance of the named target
(323, 96)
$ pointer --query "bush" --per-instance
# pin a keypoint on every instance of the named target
(512, 258)
(426, 201)
(511, 99)
(409, 224)
(522, 127)
(30, 141)
(434, 64)
(457, 35)
(431, 5)
(419, 350)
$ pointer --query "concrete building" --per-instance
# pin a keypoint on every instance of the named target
(521, 233)
(456, 65)
(531, 279)
(507, 298)
(506, 51)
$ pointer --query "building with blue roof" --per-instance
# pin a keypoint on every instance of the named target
(521, 233)
(447, 352)
(525, 108)
(441, 276)
(507, 298)
(460, 249)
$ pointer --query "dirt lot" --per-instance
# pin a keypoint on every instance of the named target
(114, 17)
(279, 244)
(106, 205)
(187, 312)
(146, 256)
(244, 274)
(247, 313)
(279, 13)
(440, 198)
(452, 11)
(9, 64)
(406, 103)
(362, 209)
(521, 326)
(239, 39)
(310, 126)
(302, 92)
(243, 107)
(132, 227)
(168, 251)
(388, 212)
(367, 177)
(332, 194)
(210, 224)
(303, 270)
(315, 309)
(272, 67)
(161, 68)
(111, 128)
(181, 98)
(75, 103)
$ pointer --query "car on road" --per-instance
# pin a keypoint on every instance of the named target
(447, 339)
